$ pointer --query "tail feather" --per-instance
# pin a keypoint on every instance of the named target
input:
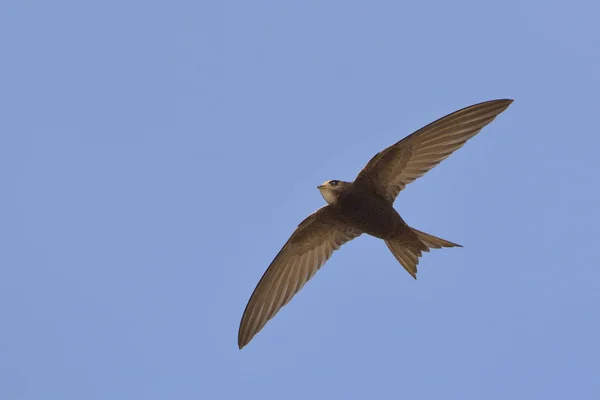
(409, 248)
(433, 242)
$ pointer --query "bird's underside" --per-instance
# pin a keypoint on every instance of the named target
(365, 206)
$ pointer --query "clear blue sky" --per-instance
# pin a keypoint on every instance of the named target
(155, 156)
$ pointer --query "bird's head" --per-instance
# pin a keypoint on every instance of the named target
(331, 190)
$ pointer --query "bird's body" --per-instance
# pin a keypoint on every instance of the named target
(365, 206)
(368, 212)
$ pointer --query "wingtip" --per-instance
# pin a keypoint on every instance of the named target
(242, 342)
(497, 102)
(505, 102)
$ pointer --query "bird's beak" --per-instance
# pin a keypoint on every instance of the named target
(320, 186)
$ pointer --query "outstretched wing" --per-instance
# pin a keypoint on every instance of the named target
(309, 247)
(398, 165)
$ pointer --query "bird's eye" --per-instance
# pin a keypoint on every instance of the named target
(334, 183)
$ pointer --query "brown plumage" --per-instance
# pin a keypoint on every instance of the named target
(365, 206)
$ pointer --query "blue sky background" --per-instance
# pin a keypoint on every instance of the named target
(155, 156)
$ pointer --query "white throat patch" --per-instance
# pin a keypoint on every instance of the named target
(328, 195)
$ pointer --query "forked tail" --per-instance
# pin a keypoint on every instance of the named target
(411, 246)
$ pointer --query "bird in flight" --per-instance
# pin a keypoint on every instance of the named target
(365, 206)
